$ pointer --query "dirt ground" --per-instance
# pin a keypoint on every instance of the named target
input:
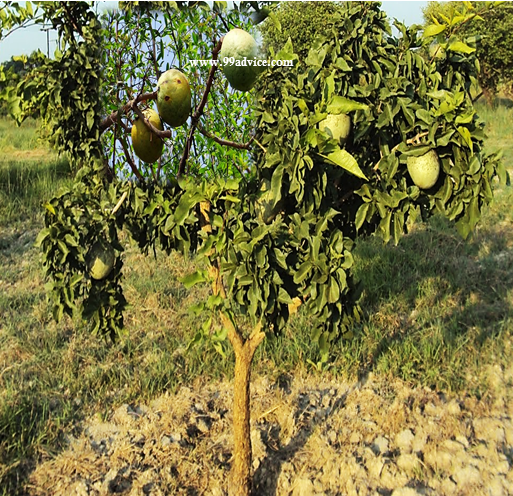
(310, 438)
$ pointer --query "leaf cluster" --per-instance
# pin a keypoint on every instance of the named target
(490, 24)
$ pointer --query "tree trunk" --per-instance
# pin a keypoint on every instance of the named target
(240, 477)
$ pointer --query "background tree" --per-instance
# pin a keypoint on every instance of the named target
(14, 70)
(492, 28)
(302, 22)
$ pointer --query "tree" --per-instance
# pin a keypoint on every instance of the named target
(283, 232)
(302, 21)
(491, 25)
(14, 70)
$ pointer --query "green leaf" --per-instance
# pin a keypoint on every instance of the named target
(433, 30)
(465, 134)
(460, 47)
(192, 279)
(343, 105)
(344, 159)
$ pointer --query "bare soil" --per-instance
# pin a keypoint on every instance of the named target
(310, 438)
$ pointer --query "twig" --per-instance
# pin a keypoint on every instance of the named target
(261, 146)
(118, 204)
(199, 110)
(221, 141)
(135, 170)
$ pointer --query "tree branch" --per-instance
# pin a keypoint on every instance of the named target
(199, 110)
(221, 141)
(112, 118)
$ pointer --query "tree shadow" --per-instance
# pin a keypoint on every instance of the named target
(463, 284)
(313, 407)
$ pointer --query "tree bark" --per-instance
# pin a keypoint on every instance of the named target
(240, 477)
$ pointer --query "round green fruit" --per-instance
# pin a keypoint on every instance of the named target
(174, 98)
(339, 126)
(100, 260)
(238, 53)
(424, 170)
(147, 145)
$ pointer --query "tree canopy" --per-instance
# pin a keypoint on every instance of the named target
(491, 27)
(303, 22)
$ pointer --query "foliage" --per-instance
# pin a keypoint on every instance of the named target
(323, 193)
(13, 71)
(491, 24)
(303, 22)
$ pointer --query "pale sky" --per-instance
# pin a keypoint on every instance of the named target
(25, 41)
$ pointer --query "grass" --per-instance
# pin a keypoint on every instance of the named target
(437, 311)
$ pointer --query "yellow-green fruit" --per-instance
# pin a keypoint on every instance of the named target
(147, 146)
(339, 126)
(238, 54)
(100, 260)
(424, 170)
(173, 98)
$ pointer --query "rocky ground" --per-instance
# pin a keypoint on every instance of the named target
(374, 437)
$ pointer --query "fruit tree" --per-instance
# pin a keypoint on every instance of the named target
(268, 183)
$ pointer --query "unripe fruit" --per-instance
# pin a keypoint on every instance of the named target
(424, 170)
(339, 125)
(147, 146)
(237, 46)
(100, 260)
(174, 98)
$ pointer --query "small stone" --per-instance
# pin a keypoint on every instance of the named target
(448, 487)
(431, 410)
(405, 491)
(453, 407)
(495, 487)
(489, 430)
(463, 441)
(404, 440)
(380, 445)
(439, 460)
(303, 487)
(468, 476)
(408, 463)
(508, 432)
(355, 438)
(452, 446)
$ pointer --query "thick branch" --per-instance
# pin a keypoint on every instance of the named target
(112, 118)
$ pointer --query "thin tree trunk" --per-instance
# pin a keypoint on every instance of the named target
(240, 477)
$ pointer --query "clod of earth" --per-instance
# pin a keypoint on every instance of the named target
(100, 260)
(238, 54)
(424, 170)
(147, 146)
(173, 97)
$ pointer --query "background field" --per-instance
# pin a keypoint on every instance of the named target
(438, 310)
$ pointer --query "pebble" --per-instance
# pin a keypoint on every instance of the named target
(303, 487)
(404, 440)
(380, 445)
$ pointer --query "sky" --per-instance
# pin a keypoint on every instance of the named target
(25, 41)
